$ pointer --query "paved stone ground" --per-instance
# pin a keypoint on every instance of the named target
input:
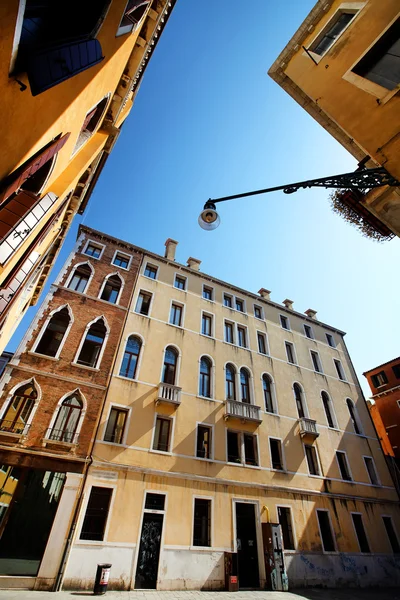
(305, 594)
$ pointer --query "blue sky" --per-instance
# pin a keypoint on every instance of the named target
(208, 121)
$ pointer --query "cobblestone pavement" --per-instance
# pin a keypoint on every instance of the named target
(304, 594)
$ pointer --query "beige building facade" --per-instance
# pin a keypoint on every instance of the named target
(226, 412)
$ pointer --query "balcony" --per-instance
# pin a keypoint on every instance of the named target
(61, 438)
(243, 411)
(168, 394)
(12, 431)
(308, 427)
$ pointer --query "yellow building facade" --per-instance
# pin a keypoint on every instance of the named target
(342, 65)
(67, 86)
(227, 412)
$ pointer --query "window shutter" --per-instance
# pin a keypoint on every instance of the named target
(32, 166)
(50, 67)
(132, 6)
(88, 118)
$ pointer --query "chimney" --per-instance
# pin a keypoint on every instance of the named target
(194, 263)
(288, 304)
(170, 249)
(311, 313)
(265, 293)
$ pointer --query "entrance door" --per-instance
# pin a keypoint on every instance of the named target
(247, 545)
(149, 552)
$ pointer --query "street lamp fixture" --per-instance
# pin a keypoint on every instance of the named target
(361, 179)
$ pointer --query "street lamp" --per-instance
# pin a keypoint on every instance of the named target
(360, 179)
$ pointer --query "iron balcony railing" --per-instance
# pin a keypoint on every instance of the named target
(308, 427)
(169, 393)
(62, 435)
(14, 427)
(242, 410)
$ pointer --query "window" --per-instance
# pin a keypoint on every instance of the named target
(343, 465)
(80, 278)
(239, 304)
(94, 523)
(290, 353)
(244, 386)
(316, 361)
(299, 398)
(325, 529)
(169, 369)
(381, 64)
(202, 522)
(267, 389)
(116, 426)
(54, 333)
(394, 542)
(121, 260)
(250, 449)
(230, 375)
(208, 292)
(312, 460)
(258, 313)
(285, 521)
(143, 303)
(151, 271)
(332, 32)
(396, 371)
(330, 340)
(93, 250)
(67, 420)
(339, 369)
(131, 357)
(242, 337)
(360, 532)
(262, 343)
(275, 447)
(370, 466)
(234, 453)
(379, 379)
(111, 289)
(205, 377)
(155, 501)
(309, 332)
(227, 300)
(162, 434)
(284, 322)
(180, 282)
(354, 416)
(19, 409)
(204, 441)
(175, 317)
(206, 324)
(91, 122)
(229, 333)
(328, 409)
(92, 345)
(133, 14)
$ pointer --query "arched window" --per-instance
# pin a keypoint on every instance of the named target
(205, 377)
(170, 362)
(230, 375)
(298, 395)
(267, 389)
(328, 409)
(80, 278)
(111, 289)
(91, 122)
(54, 333)
(65, 425)
(244, 386)
(92, 345)
(355, 419)
(19, 409)
(131, 357)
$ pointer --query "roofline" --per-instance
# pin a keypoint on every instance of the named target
(133, 247)
(382, 365)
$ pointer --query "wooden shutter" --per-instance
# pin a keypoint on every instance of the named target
(50, 67)
(132, 6)
(31, 167)
(88, 118)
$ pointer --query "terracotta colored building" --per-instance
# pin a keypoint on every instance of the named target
(52, 394)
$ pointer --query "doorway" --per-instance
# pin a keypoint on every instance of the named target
(149, 551)
(246, 534)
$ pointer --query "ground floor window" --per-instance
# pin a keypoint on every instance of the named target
(285, 521)
(94, 523)
(202, 522)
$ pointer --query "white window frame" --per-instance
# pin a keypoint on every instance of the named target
(207, 314)
(273, 394)
(262, 318)
(265, 336)
(32, 381)
(294, 352)
(103, 285)
(210, 287)
(337, 360)
(101, 247)
(305, 325)
(86, 496)
(244, 311)
(246, 333)
(357, 417)
(171, 434)
(351, 480)
(332, 338)
(210, 426)
(127, 423)
(212, 376)
(232, 301)
(319, 362)
(103, 346)
(123, 29)
(135, 301)
(353, 512)
(303, 395)
(139, 362)
(288, 322)
(242, 457)
(320, 474)
(44, 327)
(183, 313)
(332, 409)
(178, 362)
(378, 479)
(233, 343)
(394, 529)
(283, 458)
(150, 264)
(78, 392)
(317, 510)
(292, 523)
(128, 256)
(181, 277)
(72, 273)
(192, 546)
